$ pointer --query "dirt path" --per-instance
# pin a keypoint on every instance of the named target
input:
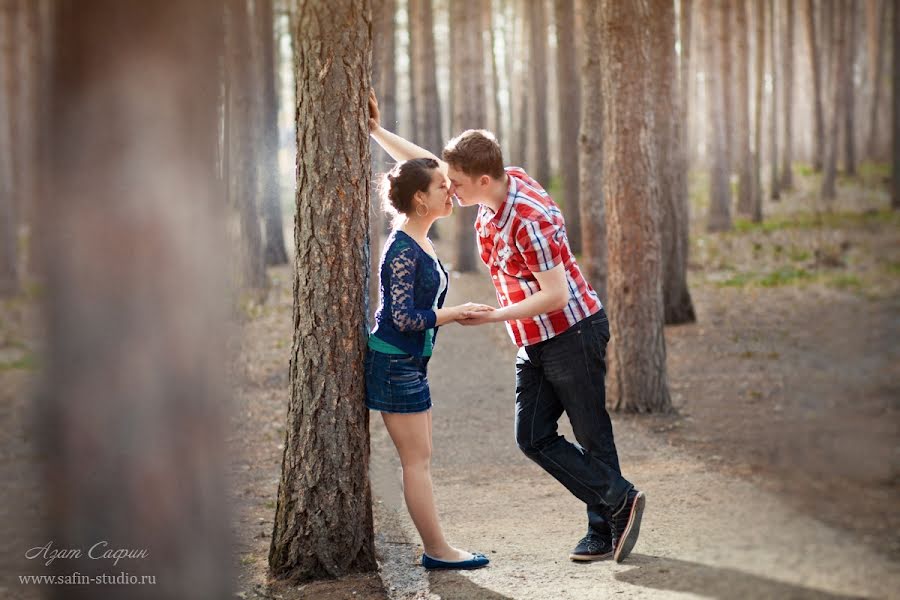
(707, 532)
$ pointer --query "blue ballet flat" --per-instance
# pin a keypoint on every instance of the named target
(476, 562)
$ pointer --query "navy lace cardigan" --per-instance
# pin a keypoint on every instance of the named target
(409, 281)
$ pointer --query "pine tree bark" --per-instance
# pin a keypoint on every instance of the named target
(590, 155)
(787, 86)
(895, 130)
(275, 252)
(829, 187)
(720, 189)
(774, 188)
(849, 59)
(637, 354)
(243, 145)
(133, 430)
(426, 102)
(569, 113)
(876, 21)
(468, 108)
(814, 57)
(539, 148)
(672, 187)
(745, 156)
(323, 517)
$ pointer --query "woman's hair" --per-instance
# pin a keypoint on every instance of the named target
(401, 183)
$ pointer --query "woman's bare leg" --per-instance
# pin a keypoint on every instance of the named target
(411, 434)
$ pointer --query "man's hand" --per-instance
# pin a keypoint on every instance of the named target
(480, 317)
(374, 113)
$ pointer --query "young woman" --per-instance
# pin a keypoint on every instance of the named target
(413, 288)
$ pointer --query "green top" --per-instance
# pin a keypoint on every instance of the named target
(379, 345)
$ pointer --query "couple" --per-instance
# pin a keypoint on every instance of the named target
(551, 312)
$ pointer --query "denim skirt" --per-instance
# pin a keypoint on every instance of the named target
(397, 383)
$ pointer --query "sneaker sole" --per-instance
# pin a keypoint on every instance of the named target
(630, 535)
(588, 557)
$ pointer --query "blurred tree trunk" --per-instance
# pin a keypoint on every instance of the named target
(492, 75)
(876, 21)
(671, 189)
(539, 149)
(720, 188)
(133, 430)
(685, 30)
(829, 188)
(323, 518)
(275, 253)
(895, 130)
(754, 210)
(745, 156)
(10, 201)
(774, 190)
(814, 57)
(849, 59)
(568, 92)
(426, 102)
(724, 36)
(384, 70)
(637, 356)
(519, 57)
(468, 108)
(787, 84)
(243, 146)
(590, 155)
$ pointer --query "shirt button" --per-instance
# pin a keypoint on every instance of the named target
(495, 277)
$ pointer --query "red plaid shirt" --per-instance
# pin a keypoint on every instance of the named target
(527, 235)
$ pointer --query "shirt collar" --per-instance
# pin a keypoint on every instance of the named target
(501, 217)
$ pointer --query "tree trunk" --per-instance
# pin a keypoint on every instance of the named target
(426, 102)
(492, 75)
(133, 430)
(787, 84)
(590, 155)
(723, 39)
(384, 70)
(275, 253)
(895, 130)
(323, 518)
(849, 59)
(774, 191)
(671, 189)
(519, 60)
(243, 145)
(876, 20)
(829, 188)
(637, 355)
(754, 210)
(814, 57)
(567, 88)
(9, 114)
(468, 109)
(687, 82)
(539, 150)
(745, 156)
(720, 188)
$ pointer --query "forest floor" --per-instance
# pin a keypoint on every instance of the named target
(777, 475)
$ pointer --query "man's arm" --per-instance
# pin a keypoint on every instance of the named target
(553, 295)
(398, 147)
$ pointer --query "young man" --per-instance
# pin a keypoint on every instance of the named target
(559, 324)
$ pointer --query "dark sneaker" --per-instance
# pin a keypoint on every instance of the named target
(592, 547)
(626, 524)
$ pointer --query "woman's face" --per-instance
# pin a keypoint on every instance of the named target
(437, 199)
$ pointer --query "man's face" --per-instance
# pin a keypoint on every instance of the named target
(467, 189)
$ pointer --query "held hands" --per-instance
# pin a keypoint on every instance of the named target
(472, 313)
(374, 113)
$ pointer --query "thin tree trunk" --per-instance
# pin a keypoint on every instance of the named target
(492, 72)
(787, 84)
(323, 517)
(745, 156)
(590, 155)
(539, 150)
(895, 130)
(133, 430)
(829, 187)
(814, 57)
(755, 208)
(569, 113)
(637, 354)
(426, 102)
(774, 191)
(719, 218)
(849, 59)
(384, 70)
(519, 61)
(275, 253)
(671, 189)
(876, 21)
(9, 113)
(687, 83)
(723, 39)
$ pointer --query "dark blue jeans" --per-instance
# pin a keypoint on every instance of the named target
(567, 373)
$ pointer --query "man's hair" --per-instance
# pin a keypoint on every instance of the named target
(475, 152)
